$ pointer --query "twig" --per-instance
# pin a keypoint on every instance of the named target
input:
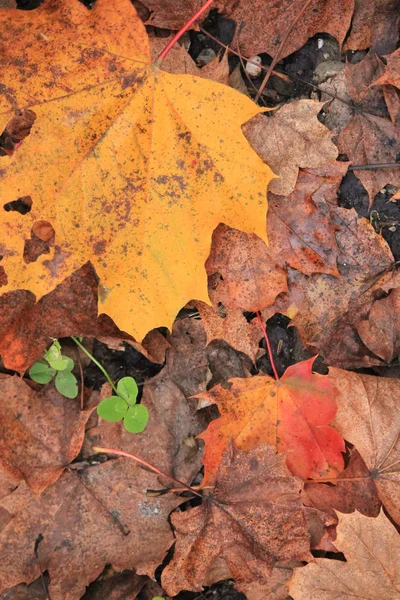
(278, 52)
(271, 358)
(148, 465)
(244, 66)
(183, 30)
(374, 166)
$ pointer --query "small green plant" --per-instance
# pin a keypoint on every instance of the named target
(119, 407)
(58, 367)
(123, 406)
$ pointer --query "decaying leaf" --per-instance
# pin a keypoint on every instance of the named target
(301, 226)
(390, 79)
(329, 304)
(116, 190)
(97, 517)
(380, 331)
(40, 432)
(173, 423)
(232, 327)
(291, 414)
(242, 272)
(369, 418)
(265, 25)
(375, 24)
(372, 551)
(290, 138)
(353, 490)
(252, 520)
(370, 137)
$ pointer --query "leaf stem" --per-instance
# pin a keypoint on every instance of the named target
(96, 362)
(148, 465)
(182, 30)
(271, 358)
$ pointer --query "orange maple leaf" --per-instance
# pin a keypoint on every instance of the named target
(133, 167)
(291, 414)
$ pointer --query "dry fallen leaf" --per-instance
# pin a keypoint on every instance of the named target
(253, 520)
(301, 227)
(391, 84)
(96, 517)
(179, 61)
(370, 137)
(233, 328)
(380, 331)
(291, 414)
(40, 432)
(372, 551)
(290, 138)
(114, 188)
(369, 418)
(242, 272)
(375, 24)
(328, 304)
(352, 490)
(264, 25)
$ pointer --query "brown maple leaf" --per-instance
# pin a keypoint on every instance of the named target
(242, 271)
(369, 418)
(253, 520)
(265, 24)
(370, 137)
(375, 24)
(40, 432)
(289, 138)
(302, 227)
(87, 520)
(372, 551)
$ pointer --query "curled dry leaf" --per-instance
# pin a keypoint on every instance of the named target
(375, 24)
(253, 520)
(40, 432)
(88, 520)
(242, 272)
(290, 138)
(372, 551)
(301, 228)
(116, 190)
(291, 414)
(369, 418)
(265, 24)
(232, 327)
(390, 79)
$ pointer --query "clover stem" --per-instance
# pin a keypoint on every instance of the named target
(148, 465)
(182, 30)
(92, 358)
(271, 358)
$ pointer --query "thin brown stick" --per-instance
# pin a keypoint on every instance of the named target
(244, 66)
(337, 479)
(374, 166)
(278, 52)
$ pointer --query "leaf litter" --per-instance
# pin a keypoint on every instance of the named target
(87, 520)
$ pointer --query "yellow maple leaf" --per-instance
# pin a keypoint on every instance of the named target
(132, 167)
